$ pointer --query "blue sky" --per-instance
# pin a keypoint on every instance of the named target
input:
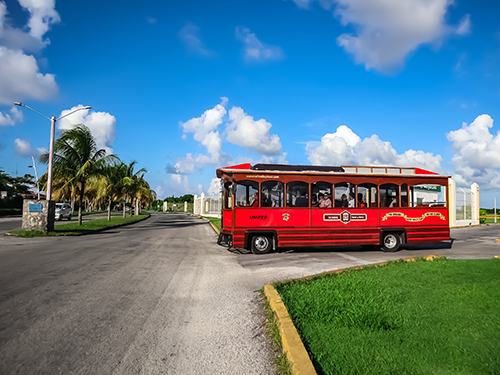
(184, 87)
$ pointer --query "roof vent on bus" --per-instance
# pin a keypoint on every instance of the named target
(296, 168)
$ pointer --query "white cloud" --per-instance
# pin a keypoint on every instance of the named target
(214, 188)
(20, 78)
(160, 193)
(253, 135)
(42, 15)
(255, 50)
(189, 35)
(10, 120)
(464, 26)
(207, 122)
(19, 73)
(477, 157)
(344, 147)
(101, 124)
(387, 31)
(204, 131)
(23, 149)
(476, 145)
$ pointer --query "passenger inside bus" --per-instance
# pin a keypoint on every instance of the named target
(314, 202)
(326, 202)
(361, 203)
(352, 202)
(302, 201)
(255, 200)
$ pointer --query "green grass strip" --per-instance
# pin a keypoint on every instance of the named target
(87, 227)
(214, 221)
(425, 317)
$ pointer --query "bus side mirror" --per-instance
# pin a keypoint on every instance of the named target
(230, 187)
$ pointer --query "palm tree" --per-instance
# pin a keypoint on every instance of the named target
(131, 183)
(142, 193)
(111, 184)
(76, 160)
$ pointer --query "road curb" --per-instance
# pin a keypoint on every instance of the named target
(90, 231)
(211, 224)
(293, 346)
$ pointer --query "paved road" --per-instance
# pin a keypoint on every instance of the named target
(158, 297)
(12, 223)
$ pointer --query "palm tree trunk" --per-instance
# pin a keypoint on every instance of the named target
(136, 207)
(82, 192)
(124, 212)
(109, 210)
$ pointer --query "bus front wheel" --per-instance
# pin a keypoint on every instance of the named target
(261, 244)
(391, 242)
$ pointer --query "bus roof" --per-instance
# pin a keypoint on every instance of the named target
(317, 169)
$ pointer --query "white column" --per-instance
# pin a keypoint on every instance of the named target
(475, 203)
(202, 204)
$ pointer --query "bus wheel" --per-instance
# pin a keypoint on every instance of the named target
(261, 244)
(391, 242)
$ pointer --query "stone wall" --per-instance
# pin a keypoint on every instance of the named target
(43, 220)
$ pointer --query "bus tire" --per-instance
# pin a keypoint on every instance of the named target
(391, 242)
(261, 244)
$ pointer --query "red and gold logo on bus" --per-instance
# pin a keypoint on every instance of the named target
(286, 217)
(413, 219)
(345, 217)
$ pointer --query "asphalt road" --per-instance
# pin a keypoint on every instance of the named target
(12, 223)
(159, 297)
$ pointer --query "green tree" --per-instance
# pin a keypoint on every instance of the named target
(131, 184)
(111, 184)
(76, 160)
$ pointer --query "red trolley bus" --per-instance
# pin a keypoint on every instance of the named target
(267, 206)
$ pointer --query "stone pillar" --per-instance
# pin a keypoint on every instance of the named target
(185, 206)
(202, 205)
(475, 203)
(39, 215)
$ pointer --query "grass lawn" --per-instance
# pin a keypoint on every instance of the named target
(426, 317)
(214, 221)
(73, 229)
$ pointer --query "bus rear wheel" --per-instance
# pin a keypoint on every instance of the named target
(261, 244)
(391, 242)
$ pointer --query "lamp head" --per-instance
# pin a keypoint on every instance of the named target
(87, 107)
(19, 104)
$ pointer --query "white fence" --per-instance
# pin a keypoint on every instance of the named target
(464, 205)
(207, 206)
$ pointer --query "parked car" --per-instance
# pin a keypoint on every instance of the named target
(63, 210)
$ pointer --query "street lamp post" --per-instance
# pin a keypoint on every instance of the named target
(53, 120)
(36, 176)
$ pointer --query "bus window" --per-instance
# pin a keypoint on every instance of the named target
(426, 195)
(367, 195)
(272, 194)
(318, 190)
(345, 194)
(389, 195)
(245, 193)
(297, 194)
(404, 195)
(228, 196)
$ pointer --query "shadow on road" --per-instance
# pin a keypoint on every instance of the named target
(351, 249)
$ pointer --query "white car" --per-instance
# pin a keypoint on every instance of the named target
(63, 210)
